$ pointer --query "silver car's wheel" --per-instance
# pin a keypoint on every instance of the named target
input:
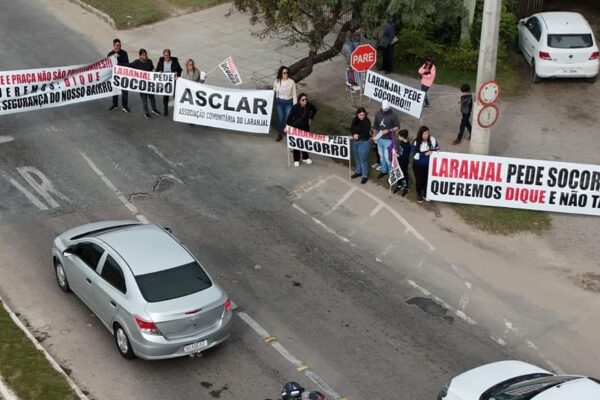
(61, 277)
(123, 343)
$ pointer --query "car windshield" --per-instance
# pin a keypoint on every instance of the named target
(173, 283)
(571, 41)
(527, 389)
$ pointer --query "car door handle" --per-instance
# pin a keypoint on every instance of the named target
(112, 303)
(88, 280)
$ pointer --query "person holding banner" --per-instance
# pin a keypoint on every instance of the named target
(422, 148)
(122, 59)
(385, 125)
(427, 72)
(285, 98)
(168, 64)
(300, 116)
(145, 64)
(360, 130)
(191, 73)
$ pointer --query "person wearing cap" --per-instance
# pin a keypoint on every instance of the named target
(384, 127)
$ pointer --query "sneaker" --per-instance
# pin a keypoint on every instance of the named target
(296, 163)
(419, 199)
(427, 106)
(378, 168)
(355, 175)
(147, 116)
(307, 161)
(363, 181)
(126, 109)
(381, 175)
(155, 112)
(404, 192)
(113, 108)
(375, 165)
(279, 137)
(457, 141)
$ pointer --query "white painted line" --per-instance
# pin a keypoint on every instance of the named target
(463, 302)
(498, 340)
(30, 196)
(133, 209)
(387, 249)
(330, 230)
(6, 139)
(322, 384)
(342, 200)
(254, 325)
(5, 392)
(165, 159)
(286, 354)
(311, 187)
(376, 210)
(468, 285)
(38, 346)
(394, 213)
(297, 207)
(456, 312)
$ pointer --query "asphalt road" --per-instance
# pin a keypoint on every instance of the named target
(228, 197)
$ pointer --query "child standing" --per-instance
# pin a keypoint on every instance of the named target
(466, 108)
(427, 72)
(404, 150)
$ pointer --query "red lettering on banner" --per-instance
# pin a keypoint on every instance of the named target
(525, 195)
(300, 133)
(465, 169)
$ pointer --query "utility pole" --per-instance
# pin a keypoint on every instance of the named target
(486, 70)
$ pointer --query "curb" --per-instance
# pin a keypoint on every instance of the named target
(100, 14)
(38, 346)
(5, 392)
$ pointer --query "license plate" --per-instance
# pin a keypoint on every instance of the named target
(570, 71)
(195, 346)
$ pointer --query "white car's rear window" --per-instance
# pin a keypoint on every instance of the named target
(570, 41)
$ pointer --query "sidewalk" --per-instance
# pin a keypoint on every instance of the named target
(522, 285)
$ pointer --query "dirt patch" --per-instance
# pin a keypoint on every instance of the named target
(589, 281)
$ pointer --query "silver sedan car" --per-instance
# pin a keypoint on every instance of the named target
(145, 287)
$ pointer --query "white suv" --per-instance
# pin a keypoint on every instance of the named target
(559, 45)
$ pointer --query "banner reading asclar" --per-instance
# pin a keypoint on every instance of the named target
(234, 109)
(34, 89)
(514, 183)
(401, 97)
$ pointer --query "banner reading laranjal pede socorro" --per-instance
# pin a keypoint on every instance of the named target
(34, 89)
(238, 110)
(515, 183)
(401, 97)
(135, 80)
(323, 145)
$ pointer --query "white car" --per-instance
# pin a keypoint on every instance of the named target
(517, 380)
(559, 45)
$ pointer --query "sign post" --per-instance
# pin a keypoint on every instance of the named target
(362, 59)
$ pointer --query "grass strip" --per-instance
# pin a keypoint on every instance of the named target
(504, 221)
(25, 369)
(131, 13)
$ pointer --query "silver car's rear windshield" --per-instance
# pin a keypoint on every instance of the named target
(570, 41)
(173, 283)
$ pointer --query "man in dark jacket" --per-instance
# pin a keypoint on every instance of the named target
(145, 64)
(122, 59)
(168, 64)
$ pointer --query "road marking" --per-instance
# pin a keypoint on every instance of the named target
(30, 196)
(6, 139)
(463, 303)
(38, 346)
(498, 340)
(376, 210)
(133, 209)
(392, 211)
(460, 314)
(342, 200)
(5, 392)
(297, 207)
(299, 365)
(165, 159)
(42, 185)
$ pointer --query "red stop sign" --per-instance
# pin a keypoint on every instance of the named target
(363, 58)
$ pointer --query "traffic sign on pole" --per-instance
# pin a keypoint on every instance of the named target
(363, 58)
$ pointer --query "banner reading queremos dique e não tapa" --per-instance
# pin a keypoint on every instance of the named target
(323, 145)
(35, 89)
(514, 183)
(135, 80)
(238, 110)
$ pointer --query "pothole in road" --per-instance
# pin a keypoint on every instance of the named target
(162, 184)
(588, 281)
(430, 307)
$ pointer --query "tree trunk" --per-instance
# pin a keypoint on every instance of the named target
(304, 67)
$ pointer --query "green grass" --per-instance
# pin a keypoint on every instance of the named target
(25, 369)
(504, 221)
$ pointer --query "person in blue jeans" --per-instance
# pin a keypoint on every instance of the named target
(360, 131)
(285, 98)
(385, 125)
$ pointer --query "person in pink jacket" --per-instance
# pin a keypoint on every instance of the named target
(427, 72)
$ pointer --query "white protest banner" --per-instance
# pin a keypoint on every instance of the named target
(135, 80)
(238, 110)
(396, 174)
(514, 183)
(323, 145)
(401, 97)
(35, 89)
(230, 71)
